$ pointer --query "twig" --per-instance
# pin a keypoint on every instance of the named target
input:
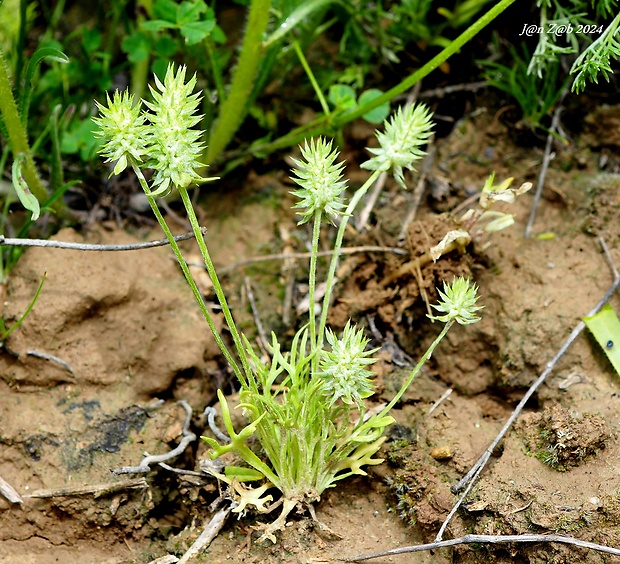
(610, 260)
(362, 221)
(210, 412)
(419, 189)
(91, 247)
(543, 171)
(443, 398)
(210, 532)
(181, 471)
(168, 559)
(493, 539)
(148, 459)
(9, 492)
(285, 256)
(550, 366)
(257, 320)
(441, 92)
(97, 489)
(181, 221)
(465, 203)
(53, 358)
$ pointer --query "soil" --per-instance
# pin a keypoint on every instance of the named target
(129, 332)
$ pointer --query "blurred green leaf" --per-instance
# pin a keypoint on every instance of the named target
(26, 197)
(195, 32)
(156, 25)
(342, 96)
(189, 12)
(137, 47)
(379, 113)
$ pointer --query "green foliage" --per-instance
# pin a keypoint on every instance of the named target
(567, 28)
(536, 95)
(372, 27)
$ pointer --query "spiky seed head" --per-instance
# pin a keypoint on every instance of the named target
(121, 126)
(320, 180)
(458, 302)
(400, 142)
(343, 369)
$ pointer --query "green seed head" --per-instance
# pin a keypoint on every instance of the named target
(400, 143)
(458, 302)
(320, 178)
(121, 126)
(343, 370)
(175, 146)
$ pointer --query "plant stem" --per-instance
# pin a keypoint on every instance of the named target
(188, 275)
(316, 231)
(416, 369)
(232, 110)
(219, 292)
(315, 84)
(17, 134)
(337, 245)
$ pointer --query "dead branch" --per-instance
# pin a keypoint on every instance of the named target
(493, 539)
(97, 490)
(148, 459)
(92, 247)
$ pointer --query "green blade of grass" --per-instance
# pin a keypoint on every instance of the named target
(605, 326)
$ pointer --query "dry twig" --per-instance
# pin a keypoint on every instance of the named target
(148, 459)
(418, 191)
(9, 492)
(91, 247)
(211, 530)
(493, 539)
(52, 358)
(257, 320)
(97, 490)
(543, 171)
(287, 256)
(362, 221)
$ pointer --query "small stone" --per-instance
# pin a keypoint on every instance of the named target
(442, 453)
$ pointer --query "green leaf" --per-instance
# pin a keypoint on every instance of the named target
(605, 326)
(243, 474)
(166, 10)
(195, 32)
(342, 96)
(380, 112)
(189, 12)
(26, 197)
(166, 47)
(91, 40)
(137, 46)
(156, 25)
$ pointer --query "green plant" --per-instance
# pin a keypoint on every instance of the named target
(329, 122)
(565, 29)
(305, 406)
(536, 95)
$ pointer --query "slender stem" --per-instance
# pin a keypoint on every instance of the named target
(316, 231)
(337, 245)
(188, 275)
(17, 134)
(315, 84)
(219, 292)
(416, 369)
